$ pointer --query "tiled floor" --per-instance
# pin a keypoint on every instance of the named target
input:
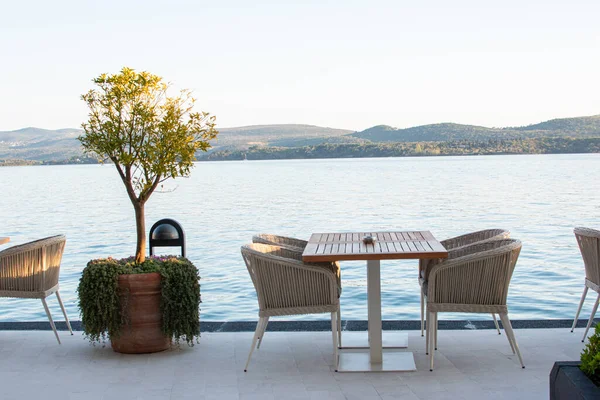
(469, 365)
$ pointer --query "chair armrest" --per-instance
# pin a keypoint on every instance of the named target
(283, 241)
(474, 237)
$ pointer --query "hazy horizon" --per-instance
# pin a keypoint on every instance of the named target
(347, 65)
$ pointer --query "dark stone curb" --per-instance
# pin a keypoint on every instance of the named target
(325, 325)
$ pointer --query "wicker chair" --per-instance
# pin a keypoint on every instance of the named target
(475, 280)
(287, 286)
(31, 270)
(298, 245)
(589, 245)
(457, 243)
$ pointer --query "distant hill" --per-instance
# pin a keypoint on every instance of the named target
(425, 133)
(581, 127)
(35, 144)
(283, 135)
(37, 135)
(54, 145)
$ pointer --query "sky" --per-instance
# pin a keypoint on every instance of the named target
(340, 64)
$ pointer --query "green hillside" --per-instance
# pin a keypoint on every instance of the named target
(413, 149)
(429, 133)
(581, 127)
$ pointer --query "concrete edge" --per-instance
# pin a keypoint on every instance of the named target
(322, 325)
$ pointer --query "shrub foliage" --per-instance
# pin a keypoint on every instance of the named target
(590, 358)
(103, 316)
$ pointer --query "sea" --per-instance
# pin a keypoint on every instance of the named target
(539, 198)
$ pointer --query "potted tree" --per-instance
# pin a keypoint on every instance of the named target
(578, 379)
(141, 303)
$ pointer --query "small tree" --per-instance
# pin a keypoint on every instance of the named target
(149, 136)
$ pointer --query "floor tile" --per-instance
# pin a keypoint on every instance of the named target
(289, 365)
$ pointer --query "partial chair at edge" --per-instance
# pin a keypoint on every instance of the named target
(31, 271)
(589, 245)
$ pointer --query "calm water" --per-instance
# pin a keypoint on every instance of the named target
(538, 198)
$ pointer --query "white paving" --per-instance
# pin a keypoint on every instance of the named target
(289, 365)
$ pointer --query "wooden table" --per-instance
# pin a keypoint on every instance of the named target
(387, 246)
(4, 240)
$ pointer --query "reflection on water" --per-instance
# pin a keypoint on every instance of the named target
(538, 198)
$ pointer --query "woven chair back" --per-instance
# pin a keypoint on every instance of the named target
(31, 269)
(476, 275)
(461, 242)
(589, 245)
(287, 286)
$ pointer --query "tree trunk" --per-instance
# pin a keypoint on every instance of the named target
(140, 225)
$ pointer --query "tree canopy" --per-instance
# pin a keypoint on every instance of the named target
(148, 135)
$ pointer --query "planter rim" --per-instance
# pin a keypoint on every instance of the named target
(141, 273)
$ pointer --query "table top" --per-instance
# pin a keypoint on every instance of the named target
(4, 240)
(387, 246)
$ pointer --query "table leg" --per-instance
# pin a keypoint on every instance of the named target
(374, 301)
(361, 359)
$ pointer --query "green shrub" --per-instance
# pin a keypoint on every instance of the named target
(102, 312)
(590, 358)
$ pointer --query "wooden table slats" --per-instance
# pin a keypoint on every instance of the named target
(388, 245)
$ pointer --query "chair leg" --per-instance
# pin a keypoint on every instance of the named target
(496, 323)
(256, 333)
(263, 329)
(435, 331)
(50, 319)
(334, 335)
(508, 336)
(587, 328)
(422, 313)
(339, 326)
(431, 334)
(427, 330)
(510, 341)
(511, 334)
(585, 290)
(62, 307)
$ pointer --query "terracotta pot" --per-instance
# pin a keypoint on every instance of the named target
(140, 294)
